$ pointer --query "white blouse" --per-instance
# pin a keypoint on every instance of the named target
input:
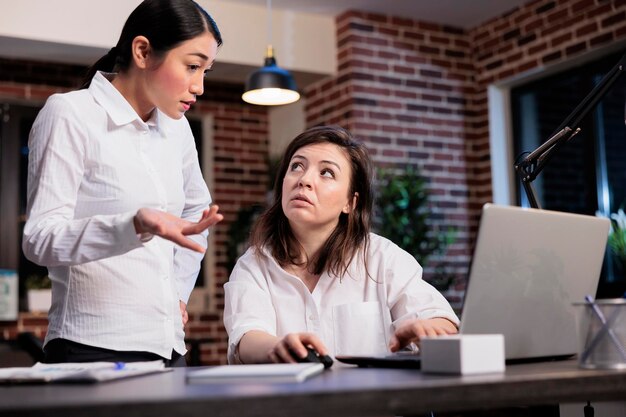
(92, 164)
(354, 315)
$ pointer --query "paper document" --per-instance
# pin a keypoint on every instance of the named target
(79, 372)
(278, 372)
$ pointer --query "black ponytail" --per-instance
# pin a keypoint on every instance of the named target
(105, 64)
(165, 23)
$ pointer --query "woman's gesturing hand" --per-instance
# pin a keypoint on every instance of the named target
(174, 228)
(183, 312)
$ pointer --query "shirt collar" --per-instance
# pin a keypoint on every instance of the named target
(117, 107)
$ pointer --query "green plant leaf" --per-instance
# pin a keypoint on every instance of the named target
(402, 214)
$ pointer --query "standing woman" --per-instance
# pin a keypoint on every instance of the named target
(315, 275)
(118, 210)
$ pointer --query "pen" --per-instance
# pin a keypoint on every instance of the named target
(119, 366)
(606, 327)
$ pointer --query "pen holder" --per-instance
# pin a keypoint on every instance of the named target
(603, 334)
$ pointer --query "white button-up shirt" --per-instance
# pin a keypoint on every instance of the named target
(92, 164)
(353, 316)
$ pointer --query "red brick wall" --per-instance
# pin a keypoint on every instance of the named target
(240, 149)
(416, 92)
(403, 88)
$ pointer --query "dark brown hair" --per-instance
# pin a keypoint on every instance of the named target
(272, 229)
(165, 23)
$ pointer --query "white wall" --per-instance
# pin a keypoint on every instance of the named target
(501, 146)
(73, 22)
(286, 122)
(304, 42)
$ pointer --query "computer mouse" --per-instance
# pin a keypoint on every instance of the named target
(313, 356)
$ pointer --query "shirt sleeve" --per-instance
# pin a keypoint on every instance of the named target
(197, 199)
(409, 296)
(247, 303)
(52, 236)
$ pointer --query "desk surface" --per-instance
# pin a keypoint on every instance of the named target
(338, 392)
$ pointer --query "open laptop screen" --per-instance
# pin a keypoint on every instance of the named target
(528, 267)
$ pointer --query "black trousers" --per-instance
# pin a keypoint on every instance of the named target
(63, 350)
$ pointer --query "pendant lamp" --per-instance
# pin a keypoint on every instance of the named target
(270, 85)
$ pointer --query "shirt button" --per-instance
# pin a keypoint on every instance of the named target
(165, 277)
(312, 317)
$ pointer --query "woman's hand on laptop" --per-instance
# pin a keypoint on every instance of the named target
(413, 330)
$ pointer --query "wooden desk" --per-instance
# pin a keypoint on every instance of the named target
(340, 392)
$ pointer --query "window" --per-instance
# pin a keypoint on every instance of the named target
(202, 128)
(588, 173)
(15, 124)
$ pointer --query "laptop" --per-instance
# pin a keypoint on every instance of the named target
(528, 267)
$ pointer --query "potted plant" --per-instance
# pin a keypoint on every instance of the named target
(403, 216)
(39, 293)
(617, 239)
(239, 230)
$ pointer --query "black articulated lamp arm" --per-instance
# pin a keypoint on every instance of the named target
(529, 167)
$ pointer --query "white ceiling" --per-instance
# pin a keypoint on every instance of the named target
(459, 13)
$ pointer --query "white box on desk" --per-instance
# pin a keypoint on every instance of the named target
(463, 354)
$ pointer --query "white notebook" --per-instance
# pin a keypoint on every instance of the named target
(277, 372)
(79, 372)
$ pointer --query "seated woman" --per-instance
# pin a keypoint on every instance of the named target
(314, 274)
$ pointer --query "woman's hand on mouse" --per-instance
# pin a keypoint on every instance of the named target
(173, 228)
(295, 344)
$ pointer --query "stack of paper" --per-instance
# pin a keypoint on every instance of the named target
(279, 372)
(79, 372)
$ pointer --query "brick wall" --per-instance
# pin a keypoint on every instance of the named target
(240, 149)
(240, 146)
(416, 92)
(35, 323)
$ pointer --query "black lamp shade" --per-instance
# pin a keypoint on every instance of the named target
(270, 76)
(270, 85)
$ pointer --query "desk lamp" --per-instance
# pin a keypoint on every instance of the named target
(529, 167)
